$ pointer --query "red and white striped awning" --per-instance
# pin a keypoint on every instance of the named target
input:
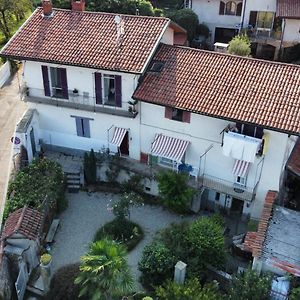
(118, 136)
(168, 147)
(241, 168)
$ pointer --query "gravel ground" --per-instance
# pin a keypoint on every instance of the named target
(86, 213)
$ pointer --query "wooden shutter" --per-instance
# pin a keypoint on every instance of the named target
(186, 117)
(118, 82)
(144, 158)
(79, 126)
(222, 8)
(168, 112)
(86, 127)
(64, 83)
(98, 88)
(239, 9)
(46, 81)
(252, 18)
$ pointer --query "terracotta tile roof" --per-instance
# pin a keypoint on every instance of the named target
(86, 39)
(266, 215)
(225, 86)
(293, 163)
(26, 221)
(288, 9)
(249, 241)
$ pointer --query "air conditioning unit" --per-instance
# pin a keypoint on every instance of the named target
(221, 47)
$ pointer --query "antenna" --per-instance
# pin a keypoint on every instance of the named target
(120, 29)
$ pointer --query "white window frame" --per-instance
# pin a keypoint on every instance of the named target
(51, 83)
(241, 180)
(105, 100)
(166, 162)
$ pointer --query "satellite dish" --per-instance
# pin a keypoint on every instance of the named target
(117, 19)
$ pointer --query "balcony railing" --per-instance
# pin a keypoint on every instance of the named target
(77, 101)
(264, 34)
(227, 187)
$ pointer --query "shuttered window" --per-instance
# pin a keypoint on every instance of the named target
(222, 8)
(177, 114)
(118, 80)
(239, 9)
(82, 126)
(46, 83)
(98, 88)
(59, 83)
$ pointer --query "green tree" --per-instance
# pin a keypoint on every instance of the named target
(295, 294)
(250, 286)
(240, 45)
(90, 167)
(104, 272)
(191, 290)
(187, 19)
(174, 190)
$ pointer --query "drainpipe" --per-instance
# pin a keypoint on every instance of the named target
(108, 137)
(281, 40)
(243, 15)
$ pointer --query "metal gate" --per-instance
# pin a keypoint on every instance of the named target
(22, 280)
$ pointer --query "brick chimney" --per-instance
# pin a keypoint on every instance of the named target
(47, 8)
(78, 5)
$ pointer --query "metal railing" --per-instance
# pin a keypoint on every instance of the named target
(264, 33)
(76, 100)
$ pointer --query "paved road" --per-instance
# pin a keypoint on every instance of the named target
(11, 110)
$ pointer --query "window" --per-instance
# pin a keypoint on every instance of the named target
(250, 130)
(112, 90)
(217, 196)
(241, 180)
(187, 3)
(59, 82)
(264, 19)
(166, 162)
(177, 114)
(230, 8)
(82, 126)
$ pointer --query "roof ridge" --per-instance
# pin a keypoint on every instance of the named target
(267, 62)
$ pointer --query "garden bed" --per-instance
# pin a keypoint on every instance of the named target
(122, 231)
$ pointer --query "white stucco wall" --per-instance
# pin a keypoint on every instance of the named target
(168, 37)
(292, 31)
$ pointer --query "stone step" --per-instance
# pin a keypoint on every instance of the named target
(73, 181)
(73, 175)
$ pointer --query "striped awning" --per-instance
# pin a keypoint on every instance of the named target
(118, 136)
(241, 168)
(168, 147)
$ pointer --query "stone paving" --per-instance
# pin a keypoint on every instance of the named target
(88, 212)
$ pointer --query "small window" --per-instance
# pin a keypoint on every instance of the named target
(230, 8)
(166, 162)
(217, 196)
(157, 66)
(239, 9)
(109, 90)
(177, 114)
(241, 180)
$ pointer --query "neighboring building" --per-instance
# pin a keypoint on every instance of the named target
(229, 121)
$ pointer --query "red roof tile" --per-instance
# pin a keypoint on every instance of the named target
(288, 9)
(87, 39)
(225, 86)
(25, 221)
(293, 163)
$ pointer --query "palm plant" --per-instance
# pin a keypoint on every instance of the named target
(104, 272)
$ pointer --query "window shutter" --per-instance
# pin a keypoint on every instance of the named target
(168, 112)
(222, 8)
(86, 128)
(46, 81)
(252, 18)
(144, 158)
(239, 9)
(98, 88)
(79, 126)
(64, 83)
(118, 81)
(186, 117)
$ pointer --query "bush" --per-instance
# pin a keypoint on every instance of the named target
(187, 19)
(114, 169)
(90, 167)
(202, 29)
(191, 290)
(174, 191)
(62, 285)
(295, 294)
(133, 184)
(33, 184)
(125, 232)
(157, 264)
(249, 285)
(240, 45)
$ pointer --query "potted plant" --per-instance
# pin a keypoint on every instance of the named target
(132, 108)
(46, 259)
(75, 91)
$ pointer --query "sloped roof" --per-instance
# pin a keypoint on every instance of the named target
(288, 9)
(225, 86)
(87, 39)
(25, 221)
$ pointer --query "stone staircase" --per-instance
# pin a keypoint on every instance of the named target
(73, 182)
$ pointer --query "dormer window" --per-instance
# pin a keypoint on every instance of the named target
(157, 66)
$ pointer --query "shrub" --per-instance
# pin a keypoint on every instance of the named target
(206, 244)
(174, 191)
(157, 264)
(42, 178)
(191, 290)
(202, 29)
(187, 19)
(62, 285)
(133, 184)
(125, 232)
(295, 294)
(114, 169)
(45, 259)
(249, 285)
(240, 45)
(90, 167)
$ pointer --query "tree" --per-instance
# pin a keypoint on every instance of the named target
(90, 167)
(174, 190)
(104, 272)
(187, 19)
(240, 45)
(191, 290)
(250, 286)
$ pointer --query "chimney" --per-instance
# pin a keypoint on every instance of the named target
(47, 8)
(78, 5)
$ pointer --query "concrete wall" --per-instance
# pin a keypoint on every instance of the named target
(291, 31)
(168, 37)
(4, 73)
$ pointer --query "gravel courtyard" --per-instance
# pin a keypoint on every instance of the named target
(88, 212)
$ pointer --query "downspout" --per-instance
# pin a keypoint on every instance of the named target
(281, 40)
(243, 15)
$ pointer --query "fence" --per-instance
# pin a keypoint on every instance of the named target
(4, 73)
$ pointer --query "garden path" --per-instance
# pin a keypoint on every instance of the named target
(88, 212)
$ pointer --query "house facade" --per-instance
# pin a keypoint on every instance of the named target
(227, 121)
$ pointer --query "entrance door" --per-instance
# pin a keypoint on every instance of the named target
(237, 206)
(124, 147)
(32, 140)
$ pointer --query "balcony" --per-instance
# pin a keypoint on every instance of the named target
(223, 186)
(76, 101)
